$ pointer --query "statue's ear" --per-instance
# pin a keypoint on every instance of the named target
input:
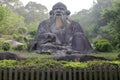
(51, 12)
(68, 12)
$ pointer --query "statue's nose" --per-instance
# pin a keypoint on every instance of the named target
(58, 11)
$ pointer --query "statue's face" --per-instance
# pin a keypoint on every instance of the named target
(59, 11)
(59, 14)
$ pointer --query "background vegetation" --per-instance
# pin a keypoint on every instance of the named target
(101, 21)
(101, 24)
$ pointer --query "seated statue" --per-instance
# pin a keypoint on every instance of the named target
(58, 34)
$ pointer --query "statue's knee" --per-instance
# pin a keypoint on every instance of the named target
(78, 39)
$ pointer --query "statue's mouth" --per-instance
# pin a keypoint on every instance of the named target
(59, 13)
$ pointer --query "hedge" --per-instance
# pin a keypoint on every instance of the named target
(102, 45)
(53, 64)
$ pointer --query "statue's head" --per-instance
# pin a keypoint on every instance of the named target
(59, 9)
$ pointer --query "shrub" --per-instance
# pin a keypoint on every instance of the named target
(22, 30)
(6, 46)
(8, 63)
(102, 45)
(53, 64)
(32, 33)
(27, 45)
(75, 65)
(7, 37)
(19, 37)
(20, 47)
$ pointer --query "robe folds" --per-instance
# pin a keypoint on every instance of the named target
(69, 37)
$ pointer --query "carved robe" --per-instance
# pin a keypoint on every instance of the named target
(67, 37)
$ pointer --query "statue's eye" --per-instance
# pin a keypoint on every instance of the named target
(55, 8)
(61, 8)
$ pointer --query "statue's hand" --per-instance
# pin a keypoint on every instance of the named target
(49, 37)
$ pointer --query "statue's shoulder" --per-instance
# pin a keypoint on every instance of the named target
(45, 22)
(74, 24)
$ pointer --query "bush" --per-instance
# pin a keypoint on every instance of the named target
(20, 47)
(75, 65)
(8, 63)
(19, 37)
(22, 30)
(102, 45)
(6, 46)
(53, 64)
(32, 33)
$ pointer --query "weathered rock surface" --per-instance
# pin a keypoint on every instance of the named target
(79, 57)
(11, 56)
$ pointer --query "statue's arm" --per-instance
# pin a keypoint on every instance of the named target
(76, 27)
(42, 28)
(44, 34)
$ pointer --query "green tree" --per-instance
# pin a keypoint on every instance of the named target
(35, 12)
(113, 22)
(6, 46)
(15, 5)
(91, 20)
(12, 4)
(3, 13)
(11, 23)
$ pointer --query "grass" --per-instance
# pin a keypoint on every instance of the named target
(34, 55)
(31, 54)
(107, 55)
(112, 55)
(42, 62)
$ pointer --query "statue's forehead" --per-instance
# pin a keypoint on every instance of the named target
(59, 5)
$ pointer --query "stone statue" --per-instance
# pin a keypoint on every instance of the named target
(58, 34)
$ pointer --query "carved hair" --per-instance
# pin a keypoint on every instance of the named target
(59, 4)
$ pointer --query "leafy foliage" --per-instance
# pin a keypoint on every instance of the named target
(53, 64)
(3, 12)
(21, 47)
(17, 20)
(11, 24)
(101, 21)
(91, 20)
(35, 12)
(113, 18)
(103, 45)
(6, 46)
(76, 65)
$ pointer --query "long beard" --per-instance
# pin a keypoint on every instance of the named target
(59, 21)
